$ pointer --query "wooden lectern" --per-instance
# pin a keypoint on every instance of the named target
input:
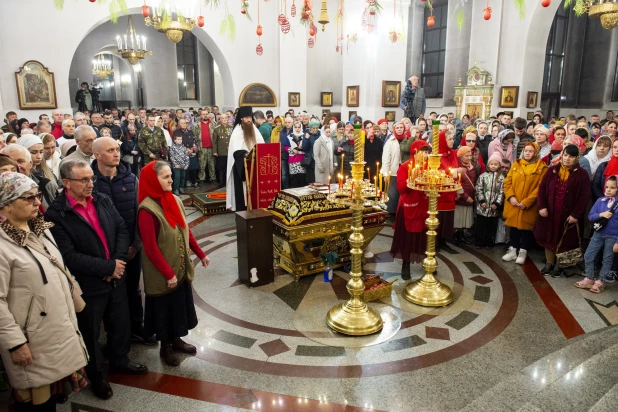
(255, 247)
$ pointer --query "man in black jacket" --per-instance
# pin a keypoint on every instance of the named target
(94, 242)
(115, 180)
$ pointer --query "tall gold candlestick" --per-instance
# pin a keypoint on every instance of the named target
(428, 291)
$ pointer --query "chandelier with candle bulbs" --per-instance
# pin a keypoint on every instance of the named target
(132, 46)
(102, 67)
(173, 18)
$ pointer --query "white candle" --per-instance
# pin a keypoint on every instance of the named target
(119, 42)
(126, 45)
(144, 43)
(137, 38)
(132, 42)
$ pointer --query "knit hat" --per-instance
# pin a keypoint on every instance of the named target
(542, 128)
(66, 145)
(461, 152)
(13, 185)
(314, 123)
(382, 121)
(494, 158)
(28, 140)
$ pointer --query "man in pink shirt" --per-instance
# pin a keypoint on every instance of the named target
(94, 242)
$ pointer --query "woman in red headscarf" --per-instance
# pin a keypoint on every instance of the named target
(410, 239)
(446, 201)
(166, 263)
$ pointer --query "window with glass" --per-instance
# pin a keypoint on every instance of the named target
(186, 59)
(434, 50)
(554, 54)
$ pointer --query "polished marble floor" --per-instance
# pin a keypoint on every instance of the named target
(513, 340)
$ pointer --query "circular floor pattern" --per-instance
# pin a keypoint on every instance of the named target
(254, 329)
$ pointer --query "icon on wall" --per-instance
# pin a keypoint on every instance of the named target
(293, 99)
(508, 96)
(326, 98)
(36, 86)
(390, 116)
(532, 99)
(352, 93)
(391, 93)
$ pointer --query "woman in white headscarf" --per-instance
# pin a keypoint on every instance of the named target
(601, 152)
(323, 156)
(159, 123)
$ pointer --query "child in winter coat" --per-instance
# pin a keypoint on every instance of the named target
(604, 239)
(489, 198)
(180, 162)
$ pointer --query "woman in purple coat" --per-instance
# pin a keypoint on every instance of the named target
(563, 196)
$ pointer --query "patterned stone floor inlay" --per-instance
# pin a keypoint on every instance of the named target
(403, 343)
(245, 397)
(462, 320)
(482, 293)
(473, 268)
(233, 339)
(437, 333)
(294, 293)
(303, 350)
(481, 279)
(274, 347)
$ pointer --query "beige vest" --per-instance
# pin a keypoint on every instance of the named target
(174, 245)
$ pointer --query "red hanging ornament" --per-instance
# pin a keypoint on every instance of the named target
(393, 36)
(431, 20)
(312, 31)
(311, 42)
(200, 21)
(281, 19)
(285, 27)
(487, 13)
(545, 3)
(337, 49)
(293, 10)
(145, 11)
(259, 50)
(92, 1)
(259, 30)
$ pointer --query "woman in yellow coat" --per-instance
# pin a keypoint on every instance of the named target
(521, 186)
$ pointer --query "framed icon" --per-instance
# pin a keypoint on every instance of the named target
(326, 98)
(391, 93)
(532, 100)
(390, 116)
(36, 87)
(352, 96)
(509, 96)
(294, 99)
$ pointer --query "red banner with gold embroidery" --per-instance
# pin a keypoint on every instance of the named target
(266, 182)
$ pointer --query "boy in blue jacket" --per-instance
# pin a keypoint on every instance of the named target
(605, 238)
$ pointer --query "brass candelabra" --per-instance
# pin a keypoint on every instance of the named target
(354, 317)
(426, 177)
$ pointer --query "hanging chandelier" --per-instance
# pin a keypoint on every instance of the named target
(134, 47)
(172, 18)
(606, 10)
(102, 67)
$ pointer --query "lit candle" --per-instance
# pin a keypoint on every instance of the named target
(377, 168)
(352, 191)
(460, 178)
(410, 175)
(329, 185)
(380, 181)
(375, 184)
(368, 174)
(342, 156)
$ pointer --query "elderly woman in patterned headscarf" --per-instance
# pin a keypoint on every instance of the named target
(40, 343)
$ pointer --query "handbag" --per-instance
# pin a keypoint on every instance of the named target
(128, 158)
(570, 257)
(306, 162)
(76, 291)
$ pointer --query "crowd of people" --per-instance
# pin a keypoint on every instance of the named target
(88, 206)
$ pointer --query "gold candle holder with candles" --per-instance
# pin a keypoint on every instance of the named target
(354, 317)
(426, 177)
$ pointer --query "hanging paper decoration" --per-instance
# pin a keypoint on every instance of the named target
(305, 13)
(364, 19)
(545, 3)
(200, 21)
(281, 19)
(312, 31)
(244, 8)
(293, 9)
(259, 50)
(311, 42)
(145, 11)
(285, 26)
(258, 31)
(431, 20)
